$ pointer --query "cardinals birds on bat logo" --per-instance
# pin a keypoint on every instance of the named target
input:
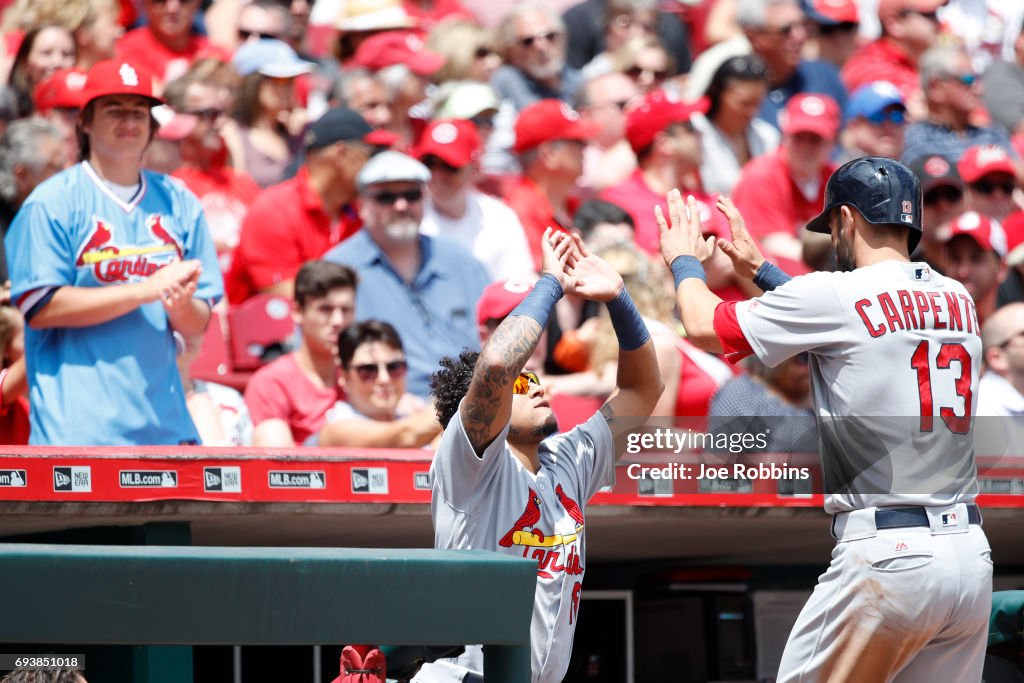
(114, 262)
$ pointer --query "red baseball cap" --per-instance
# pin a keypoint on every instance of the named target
(980, 160)
(811, 113)
(549, 120)
(454, 141)
(397, 47)
(60, 90)
(832, 12)
(499, 298)
(987, 232)
(654, 113)
(118, 77)
(890, 8)
(1013, 226)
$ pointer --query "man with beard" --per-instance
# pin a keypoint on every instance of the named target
(425, 287)
(501, 481)
(532, 39)
(909, 589)
(224, 192)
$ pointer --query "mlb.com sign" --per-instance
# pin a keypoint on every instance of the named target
(291, 479)
(148, 479)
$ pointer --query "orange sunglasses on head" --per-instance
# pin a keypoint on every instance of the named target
(523, 382)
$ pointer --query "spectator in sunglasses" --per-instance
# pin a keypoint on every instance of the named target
(951, 92)
(731, 135)
(532, 37)
(646, 62)
(204, 93)
(622, 20)
(607, 158)
(377, 413)
(909, 28)
(469, 52)
(426, 287)
(876, 118)
(168, 43)
(777, 32)
(944, 200)
(833, 26)
(456, 210)
(262, 19)
(991, 178)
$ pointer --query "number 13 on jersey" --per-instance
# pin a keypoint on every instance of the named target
(948, 354)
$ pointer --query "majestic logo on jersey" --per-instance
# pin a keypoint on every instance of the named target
(547, 549)
(114, 262)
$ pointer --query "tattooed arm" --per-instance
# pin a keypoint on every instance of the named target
(488, 404)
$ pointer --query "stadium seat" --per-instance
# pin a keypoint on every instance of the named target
(260, 325)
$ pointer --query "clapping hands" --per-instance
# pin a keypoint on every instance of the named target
(577, 270)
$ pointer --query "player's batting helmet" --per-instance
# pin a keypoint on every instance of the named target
(883, 190)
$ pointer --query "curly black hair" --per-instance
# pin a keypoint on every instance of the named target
(30, 675)
(449, 384)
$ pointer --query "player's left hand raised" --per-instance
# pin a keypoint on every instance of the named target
(685, 235)
(590, 276)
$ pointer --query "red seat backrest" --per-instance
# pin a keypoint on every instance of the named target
(254, 325)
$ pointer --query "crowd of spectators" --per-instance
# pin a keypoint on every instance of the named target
(386, 168)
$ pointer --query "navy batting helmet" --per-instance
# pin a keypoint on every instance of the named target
(883, 190)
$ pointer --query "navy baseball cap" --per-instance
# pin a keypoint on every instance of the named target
(872, 99)
(339, 124)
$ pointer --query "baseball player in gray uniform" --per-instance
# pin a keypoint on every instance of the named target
(503, 480)
(894, 357)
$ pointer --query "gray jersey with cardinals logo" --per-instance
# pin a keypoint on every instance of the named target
(491, 502)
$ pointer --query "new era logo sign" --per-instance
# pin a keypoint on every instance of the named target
(72, 479)
(222, 479)
(13, 478)
(370, 480)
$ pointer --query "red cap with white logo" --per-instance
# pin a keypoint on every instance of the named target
(550, 120)
(811, 113)
(987, 232)
(499, 298)
(454, 141)
(60, 90)
(118, 77)
(981, 160)
(654, 113)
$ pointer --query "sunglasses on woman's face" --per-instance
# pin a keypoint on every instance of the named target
(638, 71)
(523, 382)
(368, 372)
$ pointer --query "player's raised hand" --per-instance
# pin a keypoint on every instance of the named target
(558, 252)
(744, 253)
(590, 276)
(684, 236)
